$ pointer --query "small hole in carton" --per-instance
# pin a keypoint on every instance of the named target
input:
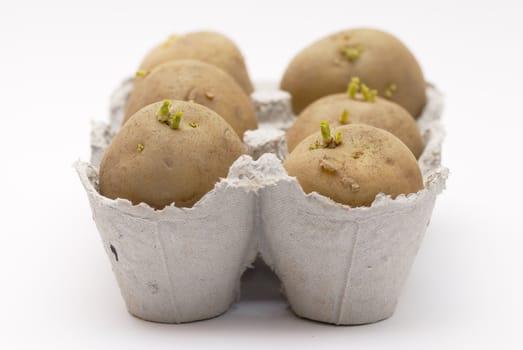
(113, 249)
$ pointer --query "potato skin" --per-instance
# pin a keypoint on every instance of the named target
(368, 161)
(177, 166)
(203, 83)
(209, 47)
(381, 114)
(322, 69)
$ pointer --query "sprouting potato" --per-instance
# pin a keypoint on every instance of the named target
(381, 61)
(354, 163)
(169, 152)
(341, 109)
(199, 82)
(209, 47)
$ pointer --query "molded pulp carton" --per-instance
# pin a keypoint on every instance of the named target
(336, 264)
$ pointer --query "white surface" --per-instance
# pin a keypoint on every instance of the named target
(60, 61)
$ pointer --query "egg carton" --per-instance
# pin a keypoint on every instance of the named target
(336, 264)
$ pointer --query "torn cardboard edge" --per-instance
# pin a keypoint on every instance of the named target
(357, 280)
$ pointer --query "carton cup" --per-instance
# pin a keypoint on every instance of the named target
(176, 265)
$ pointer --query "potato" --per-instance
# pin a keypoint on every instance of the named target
(382, 114)
(203, 83)
(209, 47)
(368, 161)
(152, 161)
(379, 59)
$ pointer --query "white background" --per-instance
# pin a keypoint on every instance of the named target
(60, 61)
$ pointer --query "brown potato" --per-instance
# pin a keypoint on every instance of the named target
(381, 113)
(149, 161)
(209, 47)
(367, 162)
(379, 59)
(203, 83)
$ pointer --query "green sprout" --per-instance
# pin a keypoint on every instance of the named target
(354, 87)
(352, 53)
(368, 94)
(164, 112)
(344, 117)
(391, 89)
(140, 147)
(193, 125)
(165, 116)
(337, 138)
(174, 121)
(314, 146)
(326, 135)
(325, 132)
(141, 73)
(372, 95)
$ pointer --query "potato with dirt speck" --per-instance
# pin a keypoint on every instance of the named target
(169, 152)
(209, 47)
(382, 114)
(199, 82)
(378, 58)
(363, 162)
